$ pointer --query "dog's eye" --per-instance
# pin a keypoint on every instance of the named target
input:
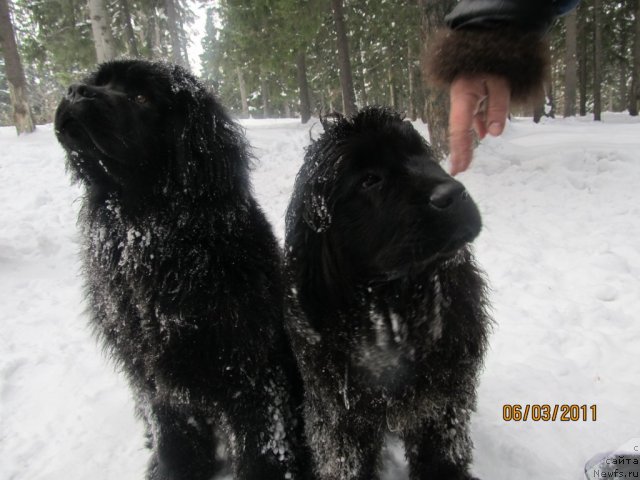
(370, 181)
(140, 99)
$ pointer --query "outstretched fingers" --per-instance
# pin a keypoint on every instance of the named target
(479, 103)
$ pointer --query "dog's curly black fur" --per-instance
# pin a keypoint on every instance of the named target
(386, 308)
(183, 271)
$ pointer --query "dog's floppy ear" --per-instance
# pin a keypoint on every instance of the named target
(318, 195)
(317, 267)
(210, 154)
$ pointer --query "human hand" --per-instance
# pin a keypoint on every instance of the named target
(480, 103)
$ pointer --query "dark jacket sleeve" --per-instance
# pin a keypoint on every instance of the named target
(500, 37)
(526, 15)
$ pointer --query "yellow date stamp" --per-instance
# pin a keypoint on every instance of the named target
(549, 413)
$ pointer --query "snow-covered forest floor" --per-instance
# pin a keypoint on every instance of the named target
(561, 246)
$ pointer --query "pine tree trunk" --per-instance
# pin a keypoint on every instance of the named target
(634, 94)
(620, 94)
(412, 101)
(132, 43)
(15, 73)
(611, 96)
(623, 91)
(150, 32)
(330, 100)
(544, 107)
(597, 62)
(346, 77)
(183, 42)
(101, 27)
(265, 96)
(548, 101)
(323, 104)
(243, 93)
(538, 112)
(549, 93)
(159, 40)
(364, 100)
(436, 101)
(583, 75)
(303, 87)
(392, 90)
(570, 74)
(174, 32)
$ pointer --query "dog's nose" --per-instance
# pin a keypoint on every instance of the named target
(80, 91)
(446, 194)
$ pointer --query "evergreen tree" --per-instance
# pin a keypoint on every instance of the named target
(597, 61)
(178, 50)
(571, 80)
(437, 104)
(15, 73)
(210, 58)
(346, 78)
(281, 57)
(101, 28)
(634, 91)
(129, 32)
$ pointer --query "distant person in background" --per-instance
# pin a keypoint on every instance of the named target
(493, 53)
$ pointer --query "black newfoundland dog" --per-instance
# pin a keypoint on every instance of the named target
(386, 308)
(183, 272)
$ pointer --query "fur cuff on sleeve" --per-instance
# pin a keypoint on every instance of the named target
(521, 58)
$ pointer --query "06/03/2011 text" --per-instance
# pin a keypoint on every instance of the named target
(549, 413)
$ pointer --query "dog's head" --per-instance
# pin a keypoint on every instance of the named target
(371, 204)
(150, 127)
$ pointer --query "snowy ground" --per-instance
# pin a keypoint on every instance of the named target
(561, 209)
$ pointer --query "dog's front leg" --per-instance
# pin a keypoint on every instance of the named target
(265, 435)
(346, 443)
(183, 443)
(440, 448)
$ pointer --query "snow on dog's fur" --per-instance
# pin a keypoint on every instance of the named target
(385, 307)
(183, 271)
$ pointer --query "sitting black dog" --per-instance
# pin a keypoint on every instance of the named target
(183, 272)
(386, 308)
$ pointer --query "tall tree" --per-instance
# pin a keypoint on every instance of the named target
(545, 105)
(131, 41)
(174, 26)
(411, 107)
(571, 63)
(346, 77)
(101, 27)
(362, 74)
(303, 86)
(293, 38)
(242, 88)
(583, 59)
(385, 52)
(597, 61)
(437, 101)
(634, 93)
(293, 25)
(264, 92)
(15, 73)
(211, 56)
(153, 45)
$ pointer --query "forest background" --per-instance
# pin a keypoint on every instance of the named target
(288, 58)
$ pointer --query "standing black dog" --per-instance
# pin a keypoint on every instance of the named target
(183, 271)
(386, 307)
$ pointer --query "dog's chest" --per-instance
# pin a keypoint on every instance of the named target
(117, 246)
(393, 343)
